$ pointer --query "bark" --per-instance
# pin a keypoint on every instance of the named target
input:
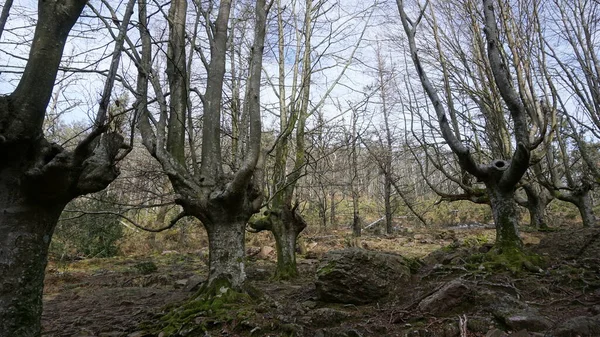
(581, 198)
(387, 192)
(500, 177)
(506, 218)
(356, 223)
(333, 221)
(25, 232)
(222, 202)
(226, 252)
(536, 205)
(4, 15)
(583, 201)
(287, 224)
(38, 178)
(176, 72)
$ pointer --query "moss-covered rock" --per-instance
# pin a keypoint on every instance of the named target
(359, 276)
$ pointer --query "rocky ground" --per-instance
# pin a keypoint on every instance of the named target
(353, 292)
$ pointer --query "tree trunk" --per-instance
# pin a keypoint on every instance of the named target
(583, 201)
(25, 233)
(323, 213)
(537, 215)
(536, 205)
(286, 225)
(504, 211)
(389, 227)
(333, 221)
(226, 253)
(285, 244)
(356, 225)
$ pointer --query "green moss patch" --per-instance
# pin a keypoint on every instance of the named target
(211, 306)
(512, 259)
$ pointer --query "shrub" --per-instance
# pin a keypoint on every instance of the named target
(81, 234)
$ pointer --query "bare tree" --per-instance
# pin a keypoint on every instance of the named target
(295, 106)
(222, 201)
(38, 178)
(501, 176)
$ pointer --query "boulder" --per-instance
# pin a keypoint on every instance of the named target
(359, 276)
(582, 326)
(449, 296)
(516, 314)
(266, 252)
(328, 316)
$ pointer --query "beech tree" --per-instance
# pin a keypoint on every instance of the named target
(222, 200)
(37, 177)
(572, 175)
(295, 105)
(501, 177)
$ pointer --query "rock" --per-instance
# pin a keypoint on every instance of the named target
(583, 326)
(328, 316)
(529, 319)
(309, 304)
(496, 333)
(266, 252)
(359, 276)
(259, 274)
(194, 283)
(515, 314)
(521, 333)
(480, 324)
(180, 283)
(451, 295)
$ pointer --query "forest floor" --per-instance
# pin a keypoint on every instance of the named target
(119, 296)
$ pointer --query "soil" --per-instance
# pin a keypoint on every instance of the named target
(125, 296)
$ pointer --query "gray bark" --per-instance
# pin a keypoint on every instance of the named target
(536, 204)
(500, 177)
(176, 72)
(25, 232)
(4, 15)
(226, 252)
(583, 201)
(286, 227)
(506, 218)
(223, 203)
(38, 178)
(332, 215)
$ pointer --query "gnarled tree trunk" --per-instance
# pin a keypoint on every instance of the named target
(38, 178)
(583, 201)
(226, 253)
(537, 201)
(506, 217)
(286, 225)
(26, 229)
